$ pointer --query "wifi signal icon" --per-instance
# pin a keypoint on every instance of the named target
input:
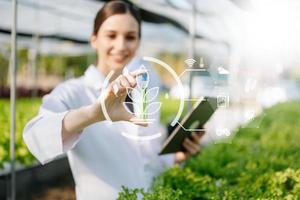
(190, 62)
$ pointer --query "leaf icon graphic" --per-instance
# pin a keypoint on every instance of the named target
(152, 108)
(152, 94)
(131, 92)
(127, 105)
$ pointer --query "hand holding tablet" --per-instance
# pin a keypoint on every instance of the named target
(192, 122)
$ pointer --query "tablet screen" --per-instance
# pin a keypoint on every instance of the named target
(193, 121)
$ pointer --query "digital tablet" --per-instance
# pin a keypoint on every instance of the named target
(193, 121)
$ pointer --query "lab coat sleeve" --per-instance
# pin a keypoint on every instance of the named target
(168, 159)
(42, 134)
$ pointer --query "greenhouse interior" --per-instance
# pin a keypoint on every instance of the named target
(152, 100)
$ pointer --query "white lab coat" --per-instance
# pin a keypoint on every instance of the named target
(101, 158)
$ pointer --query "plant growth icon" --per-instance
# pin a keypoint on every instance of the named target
(143, 98)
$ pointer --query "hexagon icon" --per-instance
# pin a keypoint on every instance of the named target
(213, 86)
(207, 83)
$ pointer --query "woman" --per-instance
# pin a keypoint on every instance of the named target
(71, 119)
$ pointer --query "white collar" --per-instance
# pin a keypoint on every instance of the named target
(93, 78)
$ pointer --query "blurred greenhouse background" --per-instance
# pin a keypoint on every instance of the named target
(250, 50)
(242, 36)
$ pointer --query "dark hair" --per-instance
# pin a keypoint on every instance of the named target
(113, 8)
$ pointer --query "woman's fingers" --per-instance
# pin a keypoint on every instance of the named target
(192, 143)
(189, 149)
(190, 146)
(138, 121)
(138, 72)
(196, 137)
(181, 156)
(131, 76)
(200, 133)
(131, 80)
(126, 80)
(115, 87)
(119, 85)
(119, 88)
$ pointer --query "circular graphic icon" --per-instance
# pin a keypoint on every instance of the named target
(143, 99)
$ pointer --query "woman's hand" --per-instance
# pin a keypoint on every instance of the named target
(192, 147)
(112, 98)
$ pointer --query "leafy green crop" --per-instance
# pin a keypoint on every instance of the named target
(26, 109)
(260, 163)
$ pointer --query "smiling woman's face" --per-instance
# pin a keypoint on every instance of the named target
(116, 42)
